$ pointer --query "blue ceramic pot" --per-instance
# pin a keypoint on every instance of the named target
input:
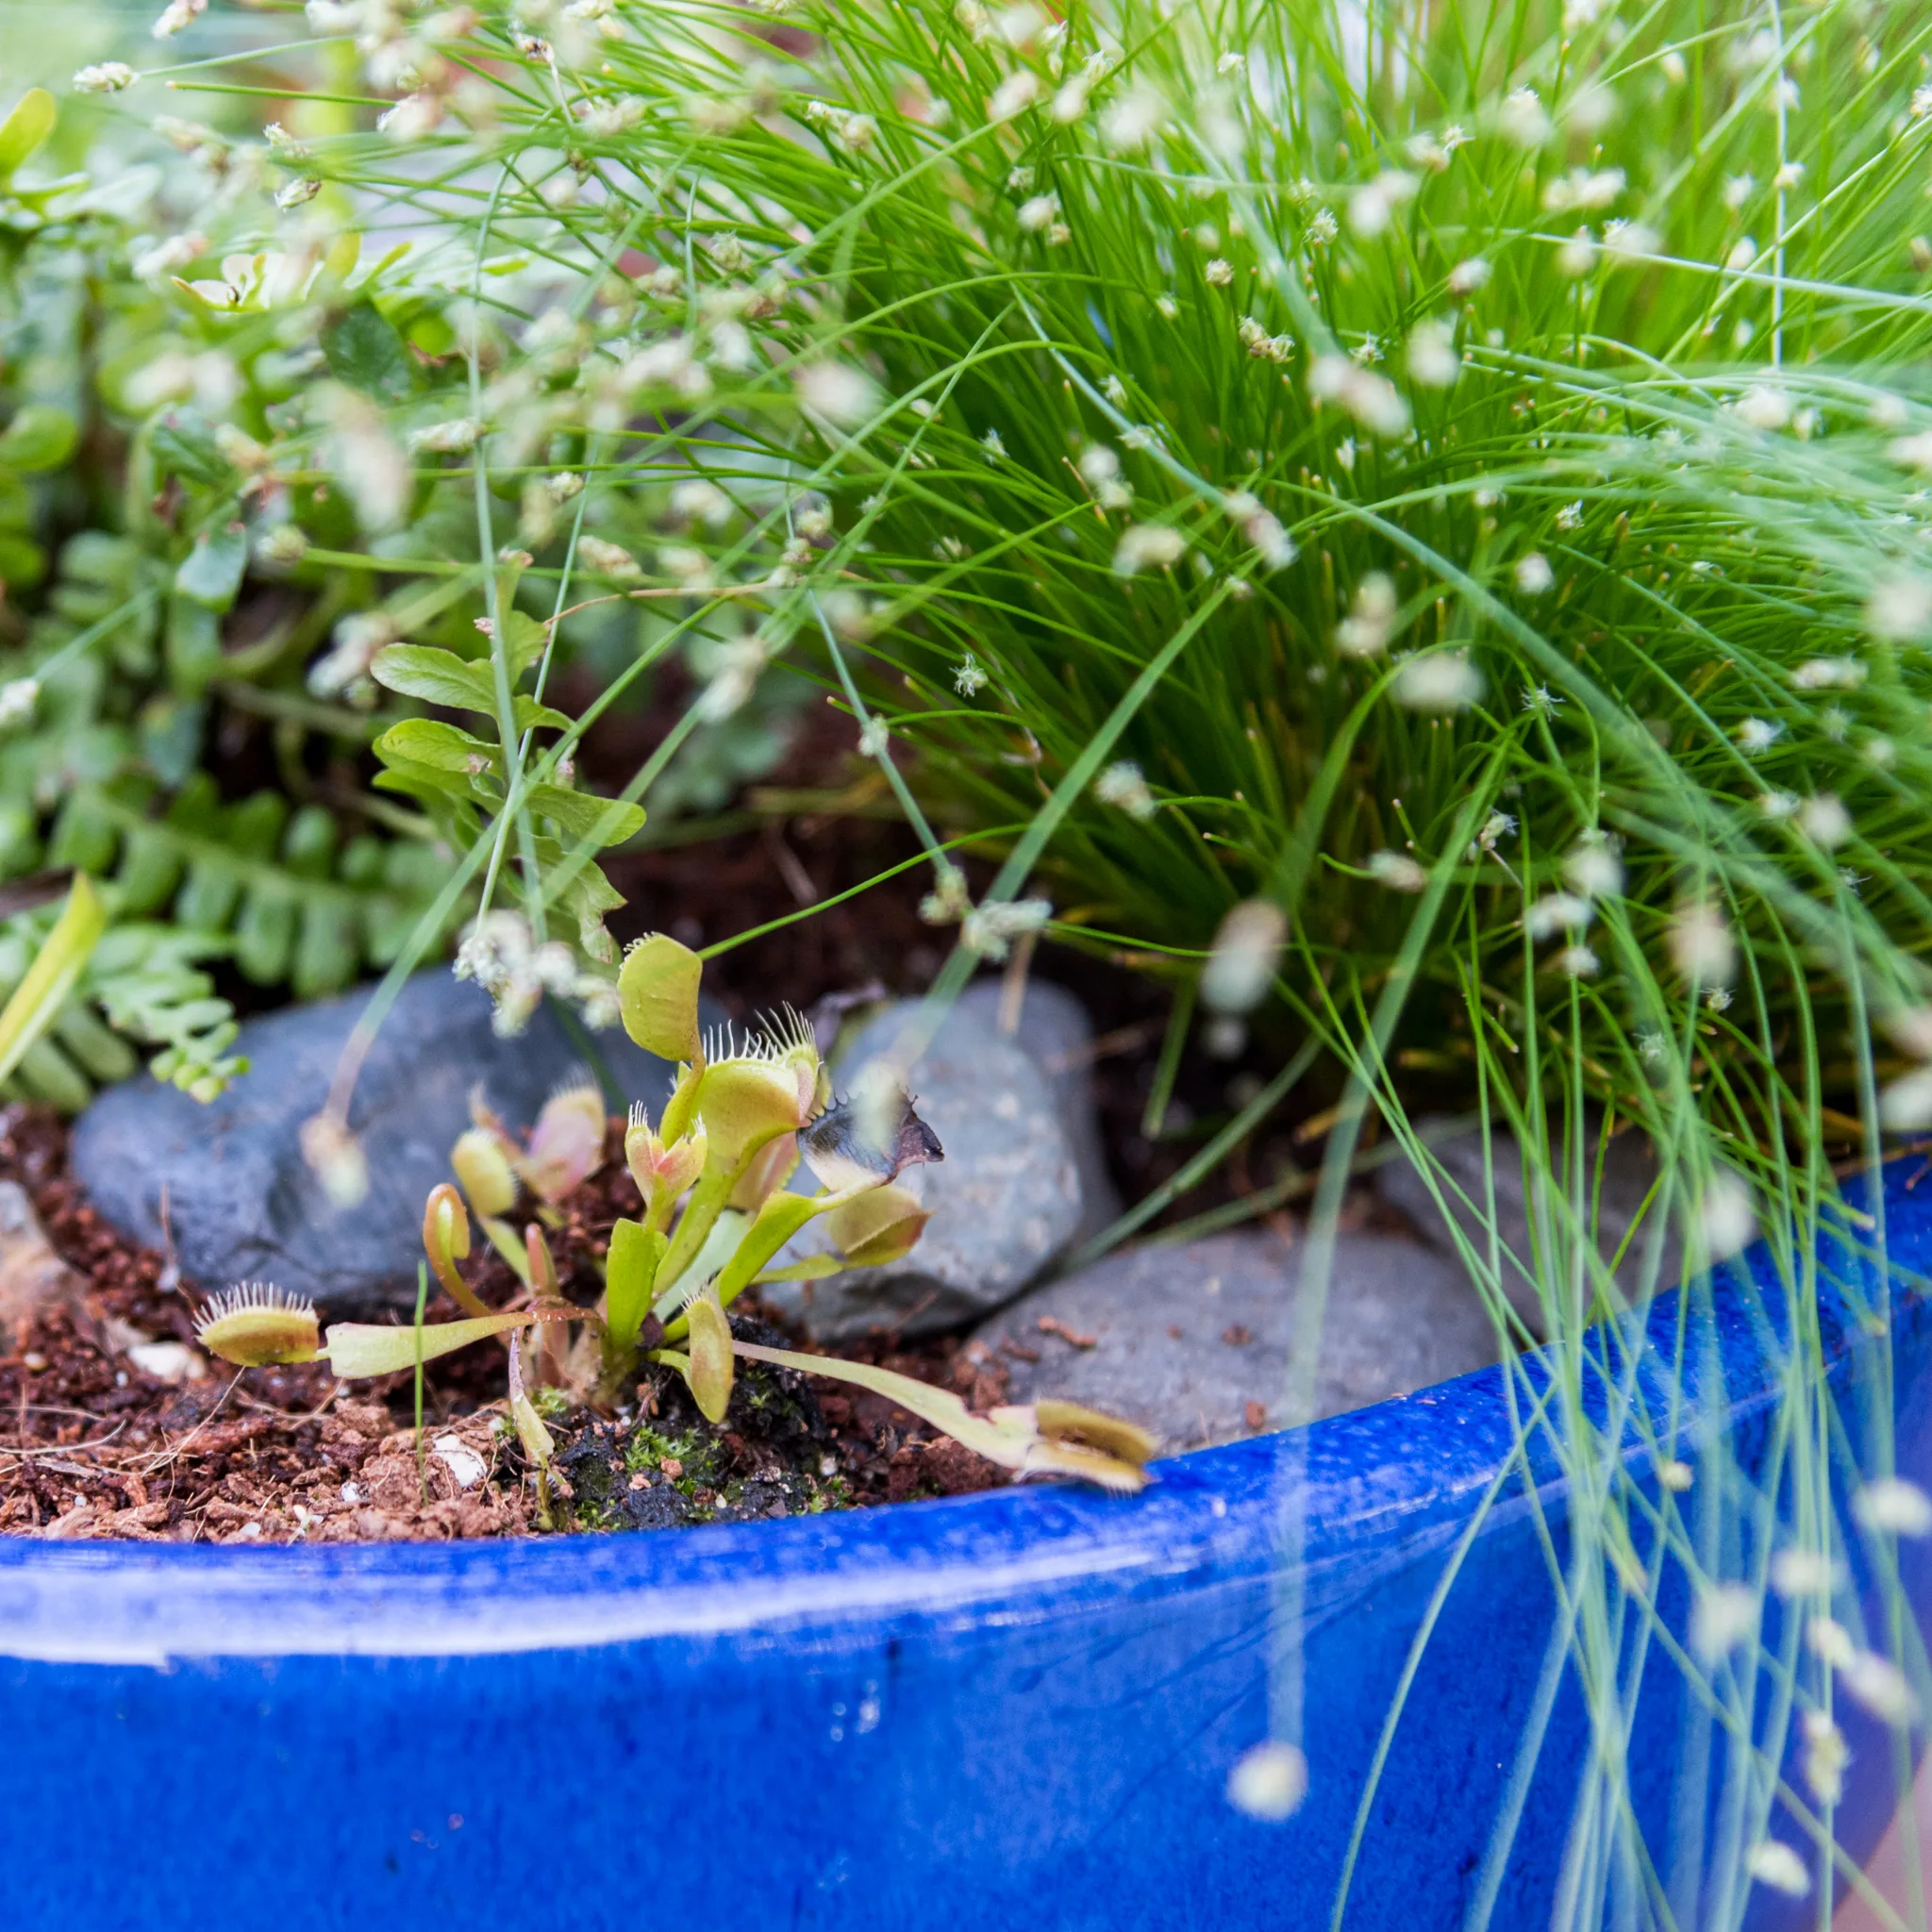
(1016, 1709)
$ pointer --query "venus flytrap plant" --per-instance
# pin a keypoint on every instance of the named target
(743, 1112)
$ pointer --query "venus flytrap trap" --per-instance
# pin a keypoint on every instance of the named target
(743, 1112)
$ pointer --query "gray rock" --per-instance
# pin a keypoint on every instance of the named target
(1185, 1338)
(242, 1202)
(1054, 1029)
(1005, 1201)
(1629, 1167)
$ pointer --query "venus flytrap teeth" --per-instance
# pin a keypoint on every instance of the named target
(255, 1325)
(871, 1135)
(757, 1089)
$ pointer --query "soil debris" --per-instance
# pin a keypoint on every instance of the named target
(1052, 1325)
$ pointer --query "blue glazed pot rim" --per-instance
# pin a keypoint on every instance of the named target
(1356, 1491)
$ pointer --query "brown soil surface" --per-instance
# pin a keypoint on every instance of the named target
(93, 1444)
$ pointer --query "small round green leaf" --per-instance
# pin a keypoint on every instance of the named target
(42, 436)
(211, 572)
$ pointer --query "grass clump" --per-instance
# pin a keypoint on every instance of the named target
(1458, 485)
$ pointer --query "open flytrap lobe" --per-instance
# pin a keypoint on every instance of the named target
(743, 1112)
(258, 1326)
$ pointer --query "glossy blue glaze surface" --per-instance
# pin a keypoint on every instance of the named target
(1020, 1706)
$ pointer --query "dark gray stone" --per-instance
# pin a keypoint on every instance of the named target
(243, 1203)
(1056, 1032)
(1005, 1201)
(1629, 1168)
(1185, 1338)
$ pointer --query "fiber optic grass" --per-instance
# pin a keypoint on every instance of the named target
(1449, 473)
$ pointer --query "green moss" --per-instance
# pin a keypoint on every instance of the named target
(699, 1453)
(828, 1493)
(604, 1458)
